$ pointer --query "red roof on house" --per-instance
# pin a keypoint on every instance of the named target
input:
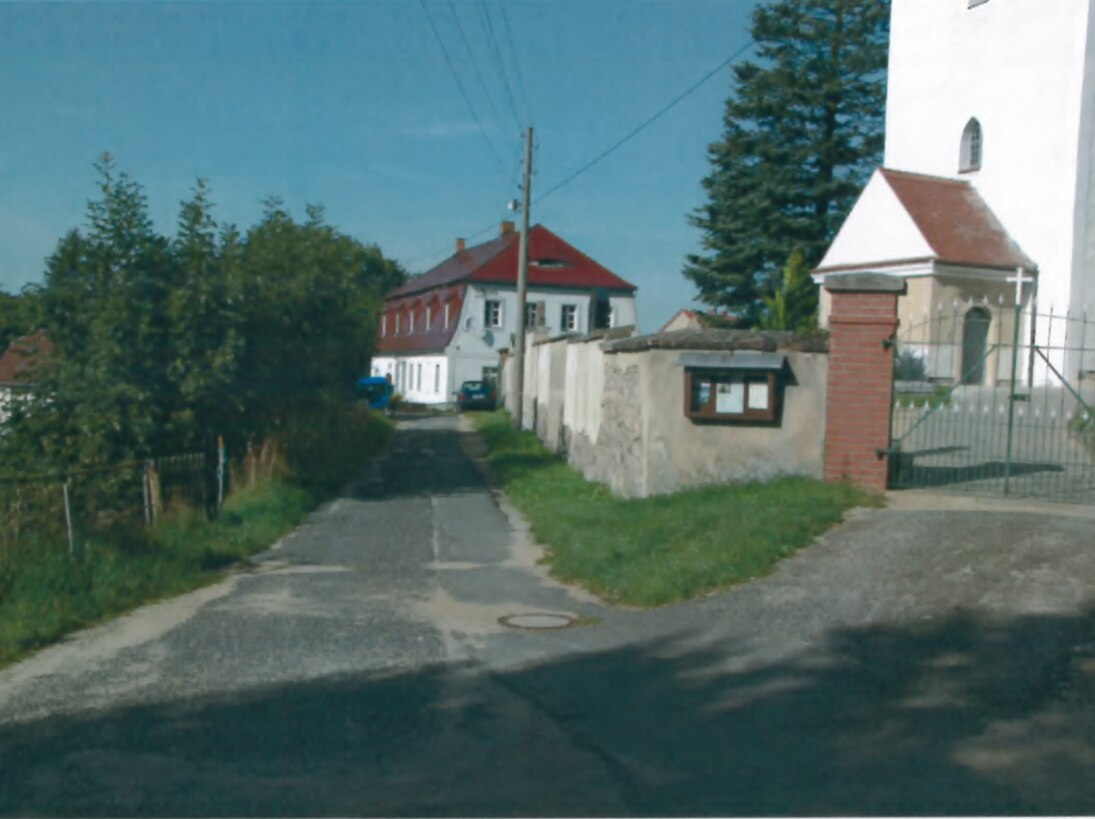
(18, 360)
(436, 336)
(552, 263)
(956, 222)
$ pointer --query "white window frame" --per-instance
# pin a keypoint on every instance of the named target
(536, 309)
(492, 317)
(568, 318)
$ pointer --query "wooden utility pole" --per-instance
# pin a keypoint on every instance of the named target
(522, 291)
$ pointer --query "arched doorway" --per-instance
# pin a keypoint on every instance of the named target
(975, 338)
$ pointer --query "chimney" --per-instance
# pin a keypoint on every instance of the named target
(506, 228)
(459, 245)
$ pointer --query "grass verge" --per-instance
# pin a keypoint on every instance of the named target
(46, 593)
(664, 549)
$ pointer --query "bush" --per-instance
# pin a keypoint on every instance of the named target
(908, 366)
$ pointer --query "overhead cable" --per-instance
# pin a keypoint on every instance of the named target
(647, 122)
(460, 85)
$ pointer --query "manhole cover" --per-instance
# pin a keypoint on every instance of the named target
(537, 620)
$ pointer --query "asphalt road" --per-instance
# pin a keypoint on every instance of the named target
(930, 658)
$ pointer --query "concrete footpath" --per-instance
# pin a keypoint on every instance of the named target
(934, 657)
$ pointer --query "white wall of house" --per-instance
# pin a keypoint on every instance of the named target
(421, 379)
(1024, 70)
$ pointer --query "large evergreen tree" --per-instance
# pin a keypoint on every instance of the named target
(803, 130)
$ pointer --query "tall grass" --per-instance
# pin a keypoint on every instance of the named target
(662, 549)
(46, 592)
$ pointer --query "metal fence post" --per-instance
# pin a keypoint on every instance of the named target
(68, 519)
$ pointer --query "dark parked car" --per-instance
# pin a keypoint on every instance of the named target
(476, 395)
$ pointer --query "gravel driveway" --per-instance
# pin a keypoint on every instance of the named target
(935, 657)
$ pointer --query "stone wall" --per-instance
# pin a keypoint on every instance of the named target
(614, 409)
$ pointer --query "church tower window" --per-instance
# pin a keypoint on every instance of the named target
(970, 155)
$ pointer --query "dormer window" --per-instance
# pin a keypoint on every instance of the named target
(972, 145)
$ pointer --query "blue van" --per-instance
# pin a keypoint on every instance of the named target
(376, 391)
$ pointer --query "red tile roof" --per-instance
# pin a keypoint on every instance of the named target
(437, 337)
(956, 222)
(561, 265)
(17, 362)
(496, 261)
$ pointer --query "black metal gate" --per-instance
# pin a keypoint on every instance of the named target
(996, 403)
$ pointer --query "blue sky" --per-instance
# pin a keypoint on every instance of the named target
(351, 105)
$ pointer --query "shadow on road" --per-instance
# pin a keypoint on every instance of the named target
(959, 716)
(426, 456)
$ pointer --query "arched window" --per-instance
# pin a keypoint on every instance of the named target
(972, 145)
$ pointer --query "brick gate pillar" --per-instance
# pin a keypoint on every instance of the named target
(862, 323)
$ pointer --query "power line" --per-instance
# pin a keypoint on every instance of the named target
(516, 64)
(489, 28)
(474, 62)
(650, 120)
(448, 248)
(460, 85)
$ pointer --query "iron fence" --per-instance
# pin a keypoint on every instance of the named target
(996, 403)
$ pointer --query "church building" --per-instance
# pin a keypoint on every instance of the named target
(988, 173)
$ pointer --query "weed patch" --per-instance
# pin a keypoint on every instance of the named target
(46, 592)
(664, 549)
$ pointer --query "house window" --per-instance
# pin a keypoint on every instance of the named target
(429, 316)
(397, 324)
(418, 379)
(436, 378)
(410, 329)
(384, 325)
(972, 144)
(568, 321)
(446, 316)
(492, 315)
(534, 314)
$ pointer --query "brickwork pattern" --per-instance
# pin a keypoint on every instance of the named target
(860, 388)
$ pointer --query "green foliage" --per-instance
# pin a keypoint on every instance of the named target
(48, 593)
(793, 305)
(664, 549)
(18, 315)
(163, 344)
(802, 130)
(908, 366)
(117, 564)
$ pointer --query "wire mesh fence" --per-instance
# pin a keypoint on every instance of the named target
(996, 405)
(62, 509)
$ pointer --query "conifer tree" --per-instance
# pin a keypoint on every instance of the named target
(802, 131)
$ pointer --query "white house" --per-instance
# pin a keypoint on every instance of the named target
(17, 368)
(448, 325)
(988, 163)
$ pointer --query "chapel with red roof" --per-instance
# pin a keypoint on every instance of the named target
(986, 197)
(450, 324)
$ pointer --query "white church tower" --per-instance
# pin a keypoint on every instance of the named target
(989, 162)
